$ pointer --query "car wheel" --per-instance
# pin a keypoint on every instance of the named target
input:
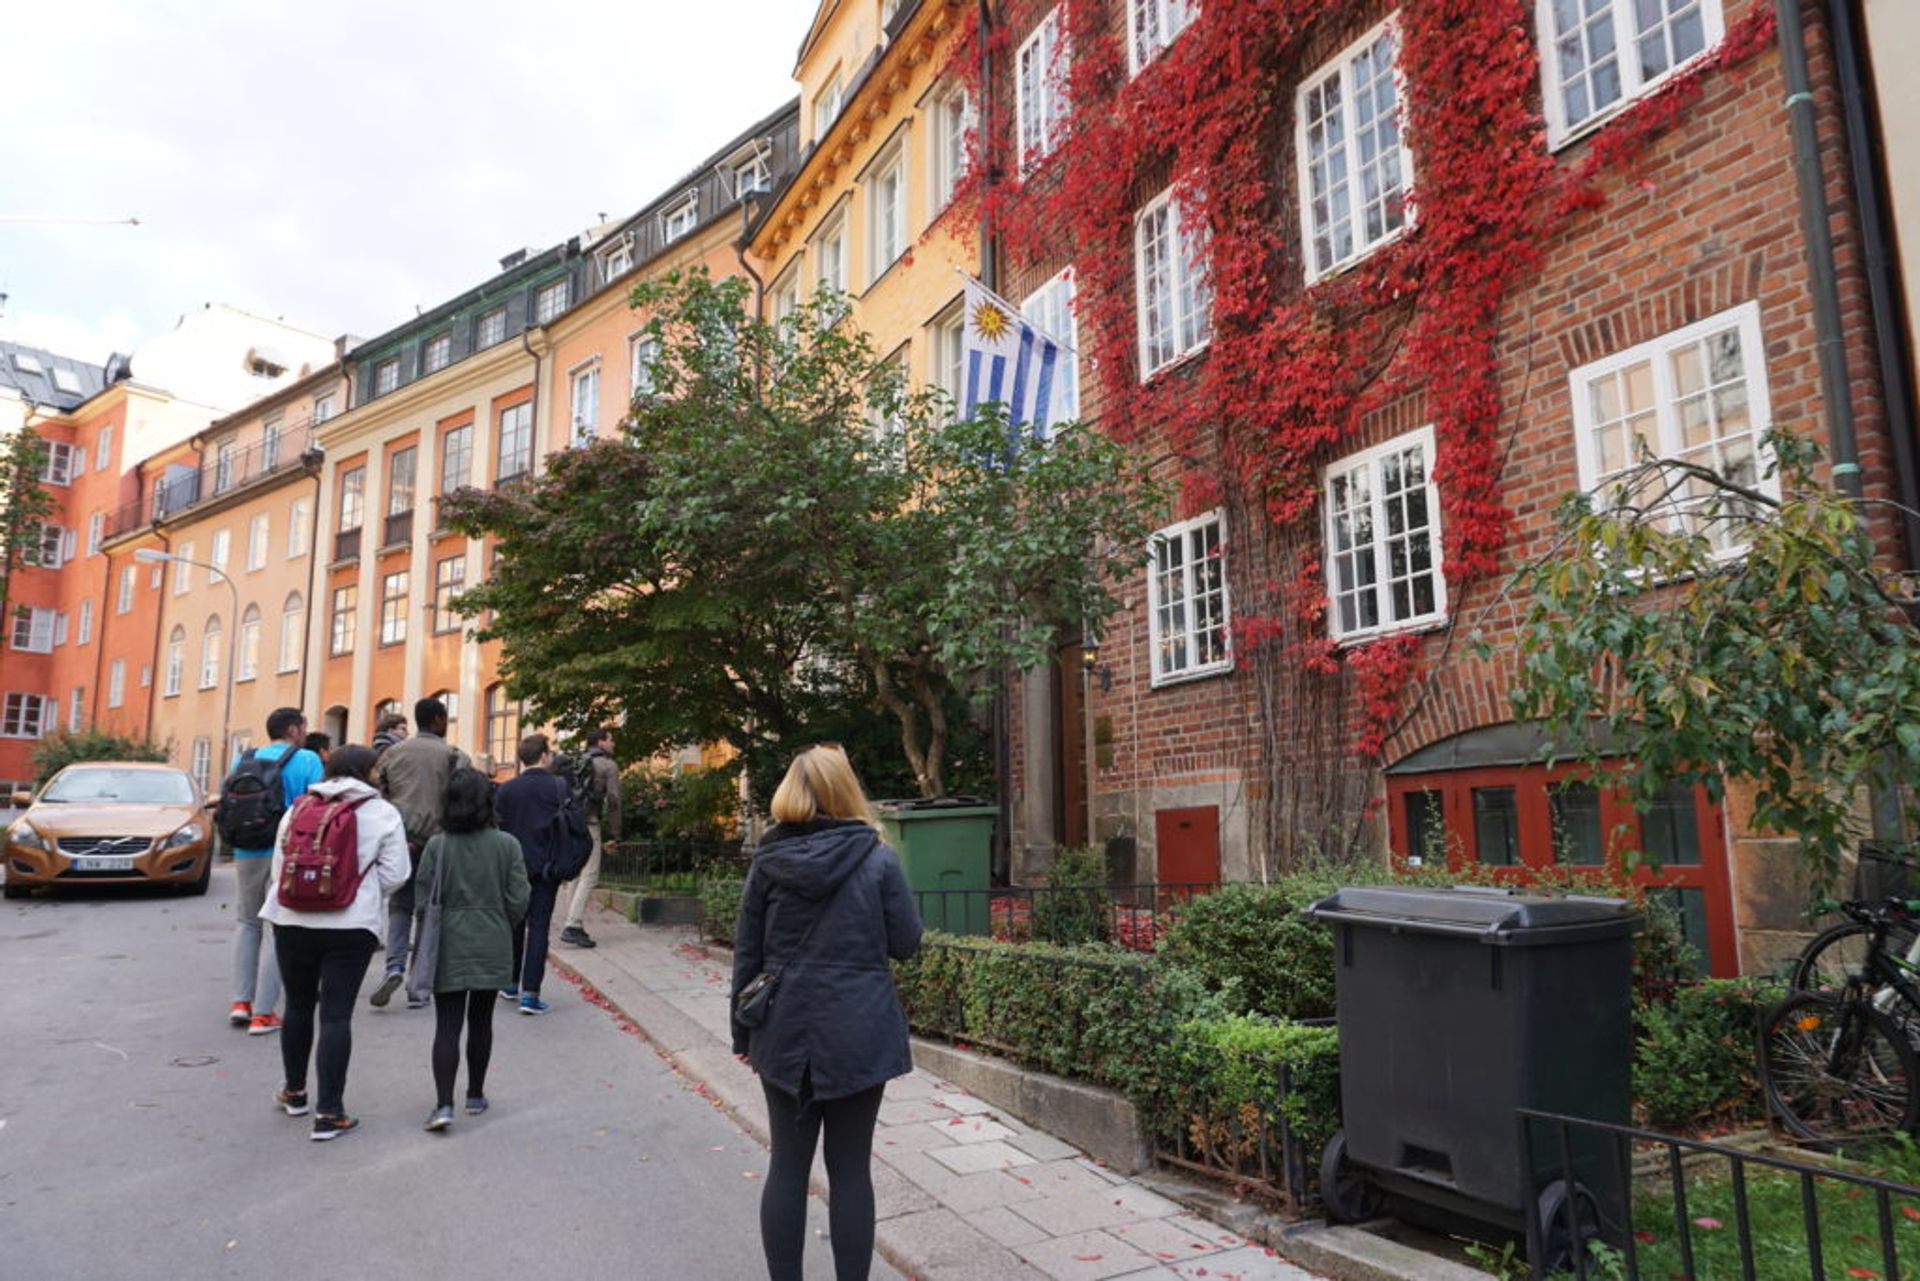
(198, 885)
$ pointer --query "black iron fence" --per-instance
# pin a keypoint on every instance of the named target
(1133, 916)
(1250, 1140)
(670, 866)
(1644, 1204)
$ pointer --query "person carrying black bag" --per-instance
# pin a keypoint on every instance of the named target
(815, 1012)
(538, 809)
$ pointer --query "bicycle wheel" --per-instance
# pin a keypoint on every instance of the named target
(1838, 953)
(1837, 1071)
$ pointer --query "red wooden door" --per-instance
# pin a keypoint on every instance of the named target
(1187, 842)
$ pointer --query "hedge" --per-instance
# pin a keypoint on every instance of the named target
(1693, 1054)
(1220, 1078)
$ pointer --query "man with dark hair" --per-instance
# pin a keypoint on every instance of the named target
(413, 775)
(600, 794)
(256, 977)
(531, 806)
(319, 744)
(391, 729)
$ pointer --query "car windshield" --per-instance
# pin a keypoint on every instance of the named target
(120, 786)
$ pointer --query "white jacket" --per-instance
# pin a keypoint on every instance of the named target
(384, 864)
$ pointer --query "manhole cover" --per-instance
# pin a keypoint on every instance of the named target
(196, 1060)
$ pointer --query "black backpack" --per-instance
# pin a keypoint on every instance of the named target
(587, 788)
(568, 842)
(252, 802)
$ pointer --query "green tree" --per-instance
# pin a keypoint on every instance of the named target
(58, 750)
(786, 528)
(1661, 652)
(25, 504)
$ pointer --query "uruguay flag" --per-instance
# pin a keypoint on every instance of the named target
(1005, 359)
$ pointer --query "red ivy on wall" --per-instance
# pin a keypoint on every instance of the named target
(1289, 371)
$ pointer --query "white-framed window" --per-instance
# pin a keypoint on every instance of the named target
(393, 608)
(353, 498)
(516, 441)
(76, 708)
(297, 518)
(402, 466)
(437, 354)
(886, 211)
(785, 294)
(451, 697)
(103, 449)
(270, 431)
(176, 661)
(826, 106)
(752, 174)
(222, 545)
(26, 715)
(210, 637)
(1175, 298)
(50, 550)
(96, 531)
(60, 628)
(83, 635)
(456, 458)
(223, 467)
(1383, 563)
(449, 580)
(616, 259)
(830, 253)
(890, 423)
(57, 468)
(680, 219)
(1041, 70)
(182, 570)
(642, 351)
(549, 302)
(116, 682)
(146, 675)
(1698, 395)
(123, 597)
(1050, 308)
(1354, 163)
(948, 344)
(386, 376)
(248, 655)
(201, 763)
(1151, 27)
(586, 403)
(322, 408)
(293, 627)
(33, 629)
(242, 743)
(490, 329)
(346, 613)
(1596, 55)
(1187, 599)
(259, 535)
(951, 113)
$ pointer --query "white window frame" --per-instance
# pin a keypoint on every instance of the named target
(322, 408)
(176, 661)
(393, 606)
(642, 350)
(449, 582)
(522, 435)
(201, 764)
(585, 384)
(343, 618)
(270, 436)
(1370, 462)
(76, 708)
(32, 629)
(949, 158)
(464, 453)
(213, 637)
(123, 596)
(223, 457)
(1181, 288)
(103, 449)
(57, 467)
(221, 549)
(1658, 353)
(60, 628)
(752, 175)
(1042, 67)
(386, 376)
(1341, 68)
(259, 538)
(616, 259)
(83, 630)
(293, 626)
(1633, 85)
(1182, 532)
(827, 104)
(1152, 25)
(96, 532)
(297, 529)
(436, 353)
(116, 683)
(1051, 309)
(183, 570)
(948, 347)
(51, 552)
(490, 329)
(678, 221)
(833, 231)
(247, 657)
(23, 715)
(887, 227)
(550, 300)
(784, 294)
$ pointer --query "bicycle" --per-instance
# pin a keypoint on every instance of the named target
(1835, 1063)
(1881, 872)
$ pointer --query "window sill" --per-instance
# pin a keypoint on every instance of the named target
(390, 548)
(1189, 677)
(345, 562)
(1416, 627)
(1345, 265)
(1186, 357)
(440, 535)
(1558, 141)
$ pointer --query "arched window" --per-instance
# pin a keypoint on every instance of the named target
(210, 653)
(249, 652)
(293, 627)
(503, 726)
(176, 659)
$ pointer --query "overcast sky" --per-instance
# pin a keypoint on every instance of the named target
(339, 164)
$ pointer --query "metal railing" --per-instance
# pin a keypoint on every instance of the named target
(1253, 1146)
(346, 544)
(670, 866)
(1132, 915)
(1669, 1206)
(398, 530)
(185, 488)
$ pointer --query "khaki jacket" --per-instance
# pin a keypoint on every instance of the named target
(413, 775)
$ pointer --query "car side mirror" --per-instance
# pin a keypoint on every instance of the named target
(22, 799)
(213, 800)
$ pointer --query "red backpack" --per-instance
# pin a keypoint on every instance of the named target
(320, 857)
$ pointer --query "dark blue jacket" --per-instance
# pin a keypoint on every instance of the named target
(525, 806)
(836, 1020)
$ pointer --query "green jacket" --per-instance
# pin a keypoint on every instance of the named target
(483, 899)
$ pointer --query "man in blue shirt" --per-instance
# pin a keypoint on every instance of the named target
(255, 972)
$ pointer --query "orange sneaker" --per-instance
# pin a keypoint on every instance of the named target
(263, 1024)
(241, 1014)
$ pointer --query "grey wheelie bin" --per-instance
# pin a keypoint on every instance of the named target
(1456, 1007)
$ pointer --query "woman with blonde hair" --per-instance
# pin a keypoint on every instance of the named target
(815, 1011)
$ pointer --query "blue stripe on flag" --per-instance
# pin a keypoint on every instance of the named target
(1017, 411)
(996, 374)
(971, 403)
(1043, 395)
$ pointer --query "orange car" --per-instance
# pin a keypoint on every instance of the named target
(112, 823)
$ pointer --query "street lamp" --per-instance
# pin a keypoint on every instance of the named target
(153, 556)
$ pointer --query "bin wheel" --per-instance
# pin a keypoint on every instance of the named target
(1344, 1190)
(1556, 1227)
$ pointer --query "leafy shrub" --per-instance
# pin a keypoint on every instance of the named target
(661, 804)
(1218, 1086)
(58, 750)
(1251, 944)
(1693, 1054)
(1072, 908)
(720, 906)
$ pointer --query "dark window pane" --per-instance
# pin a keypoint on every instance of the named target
(1577, 836)
(1687, 906)
(1426, 828)
(1670, 830)
(1496, 825)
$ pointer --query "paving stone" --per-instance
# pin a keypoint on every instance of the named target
(914, 1085)
(910, 1111)
(1005, 1227)
(1175, 1238)
(939, 1243)
(1084, 1256)
(1089, 1211)
(894, 1194)
(1043, 1147)
(955, 1099)
(1248, 1263)
(1058, 1177)
(917, 1136)
(971, 1130)
(1104, 1173)
(974, 1157)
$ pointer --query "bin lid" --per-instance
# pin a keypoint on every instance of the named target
(1490, 914)
(922, 804)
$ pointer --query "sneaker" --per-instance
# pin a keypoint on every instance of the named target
(241, 1014)
(509, 993)
(294, 1101)
(388, 986)
(531, 1004)
(577, 936)
(476, 1104)
(331, 1127)
(264, 1025)
(418, 1002)
(442, 1118)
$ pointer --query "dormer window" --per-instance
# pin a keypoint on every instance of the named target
(550, 302)
(680, 219)
(617, 259)
(386, 376)
(64, 380)
(27, 364)
(752, 175)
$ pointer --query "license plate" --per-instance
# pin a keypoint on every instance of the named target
(103, 863)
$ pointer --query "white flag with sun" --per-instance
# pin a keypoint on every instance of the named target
(1005, 359)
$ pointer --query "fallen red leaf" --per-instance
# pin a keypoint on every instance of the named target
(1641, 1234)
(1910, 1212)
(1862, 1272)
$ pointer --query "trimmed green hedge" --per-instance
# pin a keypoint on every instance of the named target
(1251, 944)
(1218, 1076)
(720, 906)
(1693, 1054)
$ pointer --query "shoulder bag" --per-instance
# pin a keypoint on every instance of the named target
(753, 1002)
(426, 944)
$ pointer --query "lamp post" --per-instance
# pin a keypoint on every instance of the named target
(153, 556)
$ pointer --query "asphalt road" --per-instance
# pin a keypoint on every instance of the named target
(138, 1138)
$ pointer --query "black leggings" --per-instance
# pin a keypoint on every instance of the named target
(450, 1010)
(323, 968)
(795, 1129)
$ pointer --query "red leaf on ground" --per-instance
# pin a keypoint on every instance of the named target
(1704, 1222)
(1641, 1234)
(1862, 1272)
(1910, 1212)
(1089, 1258)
